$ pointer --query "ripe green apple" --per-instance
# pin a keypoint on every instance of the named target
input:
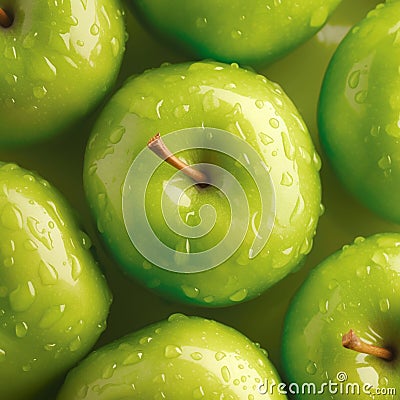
(53, 299)
(255, 31)
(232, 122)
(359, 111)
(180, 358)
(357, 288)
(58, 60)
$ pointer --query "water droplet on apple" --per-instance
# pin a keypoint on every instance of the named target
(198, 393)
(172, 351)
(21, 329)
(219, 355)
(191, 292)
(76, 268)
(11, 217)
(208, 299)
(265, 139)
(145, 340)
(354, 79)
(226, 374)
(75, 344)
(274, 123)
(323, 306)
(176, 317)
(83, 391)
(197, 356)
(311, 368)
(10, 52)
(29, 40)
(380, 258)
(385, 162)
(52, 315)
(94, 29)
(8, 262)
(133, 358)
(384, 305)
(319, 17)
(49, 346)
(201, 22)
(11, 79)
(39, 92)
(361, 96)
(236, 34)
(22, 297)
(108, 371)
(240, 295)
(115, 46)
(210, 101)
(181, 110)
(289, 149)
(286, 179)
(2, 355)
(259, 104)
(116, 134)
(317, 161)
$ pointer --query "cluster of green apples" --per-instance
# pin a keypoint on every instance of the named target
(203, 182)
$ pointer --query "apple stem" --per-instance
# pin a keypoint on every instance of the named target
(351, 341)
(157, 146)
(5, 20)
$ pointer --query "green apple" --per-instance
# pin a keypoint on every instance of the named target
(357, 289)
(255, 31)
(180, 358)
(58, 60)
(359, 111)
(53, 299)
(253, 222)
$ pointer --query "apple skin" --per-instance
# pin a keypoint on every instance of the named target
(53, 299)
(355, 288)
(58, 61)
(359, 111)
(180, 358)
(221, 96)
(251, 32)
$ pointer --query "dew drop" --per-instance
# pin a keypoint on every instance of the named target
(201, 22)
(198, 393)
(208, 299)
(108, 372)
(384, 305)
(259, 104)
(2, 355)
(319, 17)
(287, 179)
(47, 273)
(21, 329)
(75, 344)
(29, 40)
(80, 43)
(115, 46)
(177, 317)
(11, 217)
(191, 292)
(22, 297)
(52, 315)
(385, 162)
(274, 123)
(76, 268)
(94, 29)
(236, 34)
(354, 79)
(240, 295)
(265, 139)
(289, 149)
(196, 356)
(10, 52)
(220, 355)
(226, 374)
(133, 358)
(172, 351)
(380, 258)
(323, 306)
(361, 96)
(210, 101)
(311, 368)
(116, 134)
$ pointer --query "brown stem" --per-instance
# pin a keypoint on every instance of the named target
(351, 341)
(157, 145)
(5, 20)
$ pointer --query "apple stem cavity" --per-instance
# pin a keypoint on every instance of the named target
(158, 147)
(351, 341)
(5, 19)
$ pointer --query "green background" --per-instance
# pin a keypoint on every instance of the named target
(300, 74)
